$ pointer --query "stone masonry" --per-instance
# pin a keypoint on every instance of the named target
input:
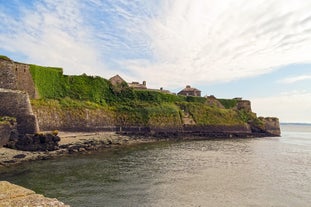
(16, 76)
(17, 104)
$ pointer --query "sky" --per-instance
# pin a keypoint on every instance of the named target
(258, 50)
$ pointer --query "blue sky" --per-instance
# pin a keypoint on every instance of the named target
(258, 50)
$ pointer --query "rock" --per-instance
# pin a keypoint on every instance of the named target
(19, 156)
(14, 195)
(37, 142)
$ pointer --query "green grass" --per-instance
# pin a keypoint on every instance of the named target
(3, 57)
(206, 115)
(48, 81)
(7, 120)
(228, 103)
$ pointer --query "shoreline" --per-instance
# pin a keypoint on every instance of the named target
(72, 142)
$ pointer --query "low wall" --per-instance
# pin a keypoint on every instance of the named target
(221, 131)
(17, 104)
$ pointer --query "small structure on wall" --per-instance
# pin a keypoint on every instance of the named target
(189, 91)
(137, 85)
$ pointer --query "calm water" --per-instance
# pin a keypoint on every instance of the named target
(244, 172)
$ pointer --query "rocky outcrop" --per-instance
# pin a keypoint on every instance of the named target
(14, 195)
(36, 142)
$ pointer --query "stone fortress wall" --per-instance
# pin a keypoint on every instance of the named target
(16, 76)
(16, 89)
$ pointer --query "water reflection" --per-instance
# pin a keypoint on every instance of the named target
(236, 172)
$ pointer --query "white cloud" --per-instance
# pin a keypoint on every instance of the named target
(289, 107)
(53, 33)
(167, 43)
(295, 79)
(210, 40)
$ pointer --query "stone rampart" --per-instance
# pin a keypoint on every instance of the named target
(244, 105)
(17, 104)
(8, 78)
(271, 125)
(16, 76)
(55, 118)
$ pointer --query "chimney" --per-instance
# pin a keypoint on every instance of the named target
(144, 83)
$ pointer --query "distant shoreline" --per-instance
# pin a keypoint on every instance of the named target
(301, 124)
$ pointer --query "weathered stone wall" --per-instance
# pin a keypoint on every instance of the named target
(24, 79)
(17, 104)
(244, 105)
(5, 131)
(271, 125)
(16, 76)
(7, 75)
(71, 119)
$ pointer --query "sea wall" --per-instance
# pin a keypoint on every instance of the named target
(74, 119)
(85, 120)
(17, 104)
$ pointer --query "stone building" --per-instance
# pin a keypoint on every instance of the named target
(116, 80)
(137, 85)
(189, 91)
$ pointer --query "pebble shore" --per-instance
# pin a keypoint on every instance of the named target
(71, 143)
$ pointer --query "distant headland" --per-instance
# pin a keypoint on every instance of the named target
(35, 98)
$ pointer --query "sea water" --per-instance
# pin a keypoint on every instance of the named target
(223, 172)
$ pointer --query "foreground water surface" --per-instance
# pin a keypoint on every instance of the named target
(229, 172)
